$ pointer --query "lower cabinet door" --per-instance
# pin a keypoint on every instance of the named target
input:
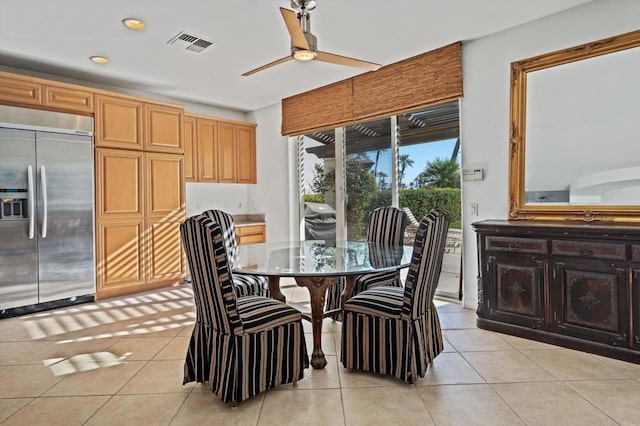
(515, 290)
(120, 257)
(590, 301)
(165, 256)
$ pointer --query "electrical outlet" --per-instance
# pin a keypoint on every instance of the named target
(473, 209)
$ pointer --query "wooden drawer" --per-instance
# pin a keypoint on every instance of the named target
(517, 245)
(635, 253)
(70, 99)
(251, 234)
(588, 249)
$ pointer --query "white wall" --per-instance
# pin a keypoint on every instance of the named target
(485, 106)
(271, 195)
(230, 197)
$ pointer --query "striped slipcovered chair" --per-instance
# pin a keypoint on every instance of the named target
(243, 285)
(393, 330)
(386, 225)
(241, 346)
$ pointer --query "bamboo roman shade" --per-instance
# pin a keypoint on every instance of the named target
(430, 78)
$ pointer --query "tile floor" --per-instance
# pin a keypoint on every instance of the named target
(120, 362)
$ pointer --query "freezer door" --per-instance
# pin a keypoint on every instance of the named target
(18, 253)
(65, 216)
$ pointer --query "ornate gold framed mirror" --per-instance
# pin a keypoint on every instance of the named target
(575, 133)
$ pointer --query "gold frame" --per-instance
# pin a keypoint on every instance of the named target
(517, 208)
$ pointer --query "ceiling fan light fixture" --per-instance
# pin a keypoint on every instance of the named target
(303, 55)
(134, 24)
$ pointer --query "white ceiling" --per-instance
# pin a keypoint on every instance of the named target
(59, 36)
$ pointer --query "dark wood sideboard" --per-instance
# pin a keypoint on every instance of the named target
(570, 284)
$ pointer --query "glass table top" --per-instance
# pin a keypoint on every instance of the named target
(319, 258)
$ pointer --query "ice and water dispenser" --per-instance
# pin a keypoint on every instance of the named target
(13, 204)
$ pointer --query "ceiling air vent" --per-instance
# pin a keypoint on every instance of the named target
(190, 42)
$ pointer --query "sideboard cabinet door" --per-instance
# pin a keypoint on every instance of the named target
(590, 300)
(517, 293)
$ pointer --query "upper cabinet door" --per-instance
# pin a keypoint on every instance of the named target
(164, 129)
(69, 99)
(118, 123)
(207, 150)
(246, 154)
(165, 186)
(190, 149)
(20, 91)
(227, 152)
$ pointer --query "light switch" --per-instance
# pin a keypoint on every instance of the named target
(473, 209)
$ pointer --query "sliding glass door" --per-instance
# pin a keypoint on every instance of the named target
(411, 160)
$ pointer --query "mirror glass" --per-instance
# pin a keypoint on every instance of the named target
(582, 129)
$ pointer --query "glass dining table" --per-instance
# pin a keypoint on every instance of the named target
(317, 265)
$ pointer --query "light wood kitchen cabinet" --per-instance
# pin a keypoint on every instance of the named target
(20, 91)
(118, 123)
(120, 257)
(119, 175)
(164, 186)
(207, 131)
(139, 178)
(251, 234)
(26, 91)
(227, 152)
(164, 128)
(246, 154)
(223, 151)
(165, 257)
(138, 243)
(190, 149)
(66, 98)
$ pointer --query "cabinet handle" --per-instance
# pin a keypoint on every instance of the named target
(514, 246)
(586, 252)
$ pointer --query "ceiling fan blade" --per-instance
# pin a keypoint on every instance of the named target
(295, 30)
(269, 65)
(345, 60)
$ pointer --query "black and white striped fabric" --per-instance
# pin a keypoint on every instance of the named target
(243, 285)
(396, 331)
(386, 226)
(241, 346)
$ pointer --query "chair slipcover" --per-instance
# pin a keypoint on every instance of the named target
(241, 346)
(386, 226)
(393, 330)
(243, 285)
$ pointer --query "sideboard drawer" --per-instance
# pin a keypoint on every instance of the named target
(588, 249)
(517, 245)
(635, 253)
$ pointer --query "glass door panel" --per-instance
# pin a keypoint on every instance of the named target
(368, 173)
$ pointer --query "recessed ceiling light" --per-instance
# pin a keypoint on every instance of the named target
(134, 24)
(99, 59)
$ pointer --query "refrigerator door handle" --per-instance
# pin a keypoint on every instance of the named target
(43, 188)
(32, 204)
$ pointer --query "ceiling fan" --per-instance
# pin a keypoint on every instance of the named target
(304, 45)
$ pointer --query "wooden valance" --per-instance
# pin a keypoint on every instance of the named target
(431, 78)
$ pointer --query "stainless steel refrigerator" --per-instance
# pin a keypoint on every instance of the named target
(46, 208)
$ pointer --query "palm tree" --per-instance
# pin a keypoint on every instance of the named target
(382, 180)
(403, 162)
(440, 173)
